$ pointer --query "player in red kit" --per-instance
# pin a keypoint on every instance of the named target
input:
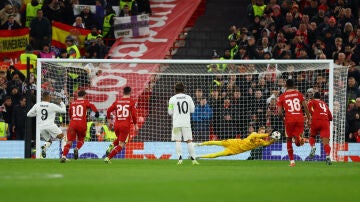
(292, 101)
(77, 127)
(125, 113)
(320, 123)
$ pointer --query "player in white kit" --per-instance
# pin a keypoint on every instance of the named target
(45, 113)
(180, 107)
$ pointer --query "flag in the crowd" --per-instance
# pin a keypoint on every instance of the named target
(60, 31)
(4, 66)
(131, 26)
(13, 42)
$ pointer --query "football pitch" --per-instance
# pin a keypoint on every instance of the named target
(163, 180)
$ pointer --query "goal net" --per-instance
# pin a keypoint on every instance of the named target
(233, 99)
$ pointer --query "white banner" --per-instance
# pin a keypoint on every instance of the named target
(131, 26)
(78, 8)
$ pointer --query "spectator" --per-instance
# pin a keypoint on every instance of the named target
(353, 119)
(68, 12)
(6, 12)
(100, 13)
(103, 49)
(143, 7)
(10, 24)
(258, 106)
(31, 12)
(131, 4)
(79, 23)
(40, 31)
(18, 119)
(201, 119)
(226, 128)
(7, 110)
(71, 48)
(28, 54)
(126, 11)
(353, 91)
(354, 72)
(88, 18)
(108, 25)
(53, 10)
(311, 9)
(46, 52)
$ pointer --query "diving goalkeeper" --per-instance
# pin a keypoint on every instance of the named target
(237, 146)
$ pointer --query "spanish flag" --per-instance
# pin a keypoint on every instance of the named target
(13, 42)
(60, 31)
(4, 66)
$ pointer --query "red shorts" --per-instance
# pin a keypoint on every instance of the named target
(76, 130)
(122, 132)
(320, 126)
(294, 129)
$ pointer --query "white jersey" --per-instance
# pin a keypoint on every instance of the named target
(180, 107)
(46, 112)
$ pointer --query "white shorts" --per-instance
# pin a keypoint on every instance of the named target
(181, 132)
(50, 132)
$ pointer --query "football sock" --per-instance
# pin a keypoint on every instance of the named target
(327, 149)
(66, 149)
(178, 148)
(116, 150)
(191, 150)
(312, 141)
(290, 150)
(79, 144)
(63, 143)
(47, 145)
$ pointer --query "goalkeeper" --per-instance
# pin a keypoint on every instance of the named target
(237, 146)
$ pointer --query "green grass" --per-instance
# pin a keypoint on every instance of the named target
(163, 180)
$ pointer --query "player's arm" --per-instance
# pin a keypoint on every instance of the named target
(192, 106)
(109, 110)
(258, 135)
(329, 114)
(94, 109)
(134, 116)
(59, 109)
(281, 112)
(306, 109)
(32, 111)
(171, 108)
(267, 143)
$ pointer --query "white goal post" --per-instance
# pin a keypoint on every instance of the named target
(246, 93)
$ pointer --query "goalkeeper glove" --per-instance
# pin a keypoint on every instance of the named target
(97, 114)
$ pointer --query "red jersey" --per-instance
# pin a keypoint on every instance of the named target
(78, 110)
(291, 102)
(125, 111)
(319, 110)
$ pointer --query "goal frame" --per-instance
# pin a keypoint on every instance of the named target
(330, 63)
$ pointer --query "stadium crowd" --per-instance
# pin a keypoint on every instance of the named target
(285, 29)
(279, 29)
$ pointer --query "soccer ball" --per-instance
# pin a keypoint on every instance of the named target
(276, 135)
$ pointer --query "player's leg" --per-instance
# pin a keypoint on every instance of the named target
(187, 136)
(44, 133)
(298, 131)
(81, 133)
(176, 136)
(71, 136)
(313, 132)
(218, 143)
(225, 152)
(289, 137)
(325, 136)
(122, 133)
(111, 146)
